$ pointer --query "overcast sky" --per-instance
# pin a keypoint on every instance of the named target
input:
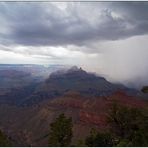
(110, 38)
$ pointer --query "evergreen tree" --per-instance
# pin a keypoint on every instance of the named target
(61, 131)
(130, 125)
(4, 142)
(99, 139)
(145, 89)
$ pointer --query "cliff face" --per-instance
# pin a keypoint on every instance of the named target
(86, 112)
(93, 118)
(81, 95)
(76, 80)
(93, 110)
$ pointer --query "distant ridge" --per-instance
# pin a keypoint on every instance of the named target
(74, 79)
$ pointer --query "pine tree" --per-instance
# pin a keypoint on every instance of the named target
(61, 131)
(4, 142)
(99, 139)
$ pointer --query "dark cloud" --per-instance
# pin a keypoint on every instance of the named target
(41, 24)
(106, 37)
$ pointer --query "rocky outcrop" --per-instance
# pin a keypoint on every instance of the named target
(93, 118)
(74, 79)
(93, 110)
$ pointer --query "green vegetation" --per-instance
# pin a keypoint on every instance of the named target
(4, 142)
(99, 139)
(145, 89)
(80, 143)
(61, 131)
(129, 125)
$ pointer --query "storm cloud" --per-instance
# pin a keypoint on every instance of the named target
(78, 23)
(109, 38)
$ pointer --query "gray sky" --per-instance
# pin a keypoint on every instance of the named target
(110, 38)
